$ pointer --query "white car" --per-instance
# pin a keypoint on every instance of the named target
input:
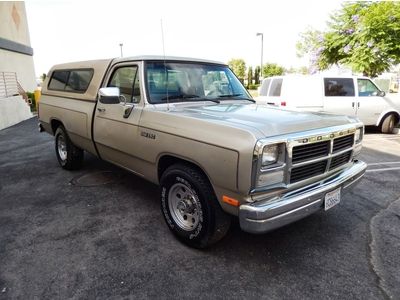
(346, 95)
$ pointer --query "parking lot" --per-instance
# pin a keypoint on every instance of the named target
(99, 233)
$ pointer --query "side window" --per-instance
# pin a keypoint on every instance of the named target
(264, 87)
(127, 80)
(76, 81)
(366, 88)
(79, 80)
(276, 87)
(339, 87)
(58, 80)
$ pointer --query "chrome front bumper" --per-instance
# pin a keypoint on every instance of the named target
(266, 215)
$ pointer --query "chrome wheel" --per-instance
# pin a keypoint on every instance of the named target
(61, 147)
(184, 206)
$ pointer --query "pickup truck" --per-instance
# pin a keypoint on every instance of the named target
(190, 126)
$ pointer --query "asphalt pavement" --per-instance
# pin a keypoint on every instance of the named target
(99, 233)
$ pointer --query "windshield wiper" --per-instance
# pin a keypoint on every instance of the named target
(180, 96)
(186, 96)
(236, 95)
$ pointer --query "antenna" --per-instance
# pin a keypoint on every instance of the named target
(165, 67)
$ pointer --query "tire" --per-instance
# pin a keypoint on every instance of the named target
(68, 155)
(190, 207)
(388, 124)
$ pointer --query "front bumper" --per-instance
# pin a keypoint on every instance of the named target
(265, 215)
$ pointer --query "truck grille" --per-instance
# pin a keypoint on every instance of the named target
(310, 151)
(342, 143)
(340, 160)
(304, 172)
(301, 154)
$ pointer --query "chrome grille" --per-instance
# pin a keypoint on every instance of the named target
(342, 143)
(312, 159)
(310, 151)
(340, 160)
(307, 171)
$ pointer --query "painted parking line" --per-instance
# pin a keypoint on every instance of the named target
(383, 170)
(384, 163)
(381, 138)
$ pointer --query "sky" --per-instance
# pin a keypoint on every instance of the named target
(65, 31)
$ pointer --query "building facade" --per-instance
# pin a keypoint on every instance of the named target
(16, 53)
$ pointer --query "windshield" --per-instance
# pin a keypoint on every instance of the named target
(178, 82)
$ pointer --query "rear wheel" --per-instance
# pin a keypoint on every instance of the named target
(68, 155)
(190, 208)
(388, 124)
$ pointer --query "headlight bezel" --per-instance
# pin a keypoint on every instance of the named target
(274, 168)
(359, 135)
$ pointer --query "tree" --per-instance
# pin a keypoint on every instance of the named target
(364, 36)
(270, 69)
(238, 67)
(257, 75)
(249, 76)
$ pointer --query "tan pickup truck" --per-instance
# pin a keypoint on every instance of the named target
(191, 127)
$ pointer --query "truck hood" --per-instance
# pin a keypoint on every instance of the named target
(268, 121)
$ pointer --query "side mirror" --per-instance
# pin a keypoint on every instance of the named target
(381, 94)
(109, 95)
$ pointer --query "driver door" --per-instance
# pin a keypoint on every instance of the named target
(116, 128)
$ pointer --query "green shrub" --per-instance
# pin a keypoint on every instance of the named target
(32, 97)
(253, 86)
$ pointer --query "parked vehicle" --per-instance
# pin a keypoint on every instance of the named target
(191, 127)
(347, 95)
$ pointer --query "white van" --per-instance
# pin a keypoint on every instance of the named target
(346, 95)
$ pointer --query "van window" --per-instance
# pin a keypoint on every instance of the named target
(70, 80)
(276, 87)
(339, 87)
(366, 88)
(264, 87)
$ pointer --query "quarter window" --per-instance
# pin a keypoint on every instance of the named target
(339, 87)
(276, 87)
(70, 80)
(366, 88)
(127, 80)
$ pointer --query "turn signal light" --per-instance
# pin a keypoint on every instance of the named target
(283, 103)
(230, 201)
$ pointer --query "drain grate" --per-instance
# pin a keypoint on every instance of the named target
(96, 178)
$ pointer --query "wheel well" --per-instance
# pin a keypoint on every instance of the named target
(168, 160)
(396, 115)
(54, 125)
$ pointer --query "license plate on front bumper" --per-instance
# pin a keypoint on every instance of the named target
(332, 198)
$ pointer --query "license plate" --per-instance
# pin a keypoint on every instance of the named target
(332, 198)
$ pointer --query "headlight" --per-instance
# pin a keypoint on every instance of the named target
(358, 135)
(270, 155)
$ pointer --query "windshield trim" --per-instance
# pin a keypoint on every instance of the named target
(147, 90)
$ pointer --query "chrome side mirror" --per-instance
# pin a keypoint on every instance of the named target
(109, 95)
(381, 94)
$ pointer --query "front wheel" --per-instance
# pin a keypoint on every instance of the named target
(68, 155)
(388, 124)
(190, 208)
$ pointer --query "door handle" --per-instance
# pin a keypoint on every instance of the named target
(358, 104)
(101, 109)
(352, 104)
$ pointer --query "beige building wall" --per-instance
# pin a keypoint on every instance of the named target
(16, 54)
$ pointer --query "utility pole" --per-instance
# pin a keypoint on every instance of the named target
(262, 50)
(121, 48)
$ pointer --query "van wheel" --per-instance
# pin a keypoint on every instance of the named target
(388, 124)
(190, 207)
(68, 155)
